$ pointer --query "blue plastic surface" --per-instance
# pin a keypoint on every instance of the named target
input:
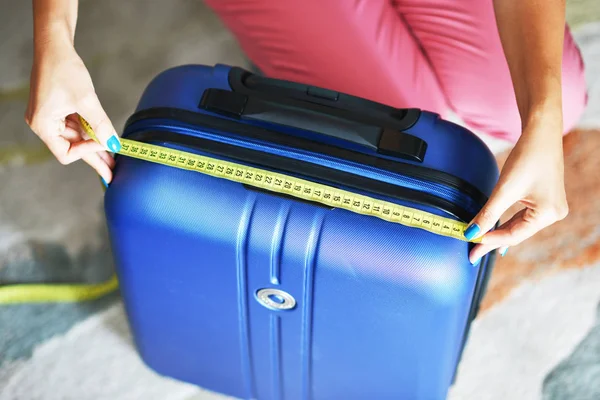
(381, 309)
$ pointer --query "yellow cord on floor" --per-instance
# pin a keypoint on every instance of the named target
(27, 293)
(55, 293)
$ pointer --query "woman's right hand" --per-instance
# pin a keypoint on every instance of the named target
(61, 88)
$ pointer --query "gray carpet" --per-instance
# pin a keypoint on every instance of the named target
(578, 376)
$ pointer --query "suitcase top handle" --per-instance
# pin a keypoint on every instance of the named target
(307, 116)
(362, 110)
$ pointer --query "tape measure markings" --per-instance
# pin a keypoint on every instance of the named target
(293, 186)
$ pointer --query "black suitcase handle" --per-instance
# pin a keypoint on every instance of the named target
(242, 81)
(335, 122)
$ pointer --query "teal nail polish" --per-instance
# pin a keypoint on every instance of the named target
(476, 261)
(104, 182)
(113, 144)
(472, 231)
(503, 252)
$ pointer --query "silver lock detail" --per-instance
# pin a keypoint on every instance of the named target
(275, 299)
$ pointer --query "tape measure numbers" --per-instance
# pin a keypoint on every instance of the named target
(297, 187)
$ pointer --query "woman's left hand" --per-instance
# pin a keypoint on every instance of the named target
(533, 176)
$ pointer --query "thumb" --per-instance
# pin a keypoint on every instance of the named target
(490, 214)
(91, 110)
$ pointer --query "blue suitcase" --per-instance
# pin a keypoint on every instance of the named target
(258, 295)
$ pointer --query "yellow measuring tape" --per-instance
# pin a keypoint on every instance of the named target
(271, 181)
(299, 188)
(55, 293)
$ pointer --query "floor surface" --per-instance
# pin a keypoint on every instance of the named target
(538, 336)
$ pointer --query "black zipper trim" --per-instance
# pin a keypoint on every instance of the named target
(274, 137)
(330, 176)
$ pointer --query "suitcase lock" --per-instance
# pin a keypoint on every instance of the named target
(275, 299)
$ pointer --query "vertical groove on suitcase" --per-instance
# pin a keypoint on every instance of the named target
(276, 245)
(276, 357)
(307, 303)
(242, 292)
(275, 278)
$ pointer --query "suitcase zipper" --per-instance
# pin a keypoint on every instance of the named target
(414, 174)
(341, 174)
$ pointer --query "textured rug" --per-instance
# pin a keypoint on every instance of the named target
(538, 336)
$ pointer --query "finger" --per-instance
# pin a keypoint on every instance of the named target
(74, 133)
(500, 201)
(479, 251)
(91, 110)
(68, 145)
(73, 121)
(488, 244)
(520, 227)
(95, 161)
(75, 129)
(67, 152)
(59, 146)
(110, 161)
(84, 147)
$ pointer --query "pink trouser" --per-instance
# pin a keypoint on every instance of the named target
(438, 55)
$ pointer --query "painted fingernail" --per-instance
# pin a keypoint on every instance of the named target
(113, 144)
(503, 252)
(472, 231)
(475, 262)
(104, 182)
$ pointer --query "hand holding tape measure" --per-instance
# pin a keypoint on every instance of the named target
(263, 179)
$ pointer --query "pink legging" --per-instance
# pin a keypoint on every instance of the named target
(438, 55)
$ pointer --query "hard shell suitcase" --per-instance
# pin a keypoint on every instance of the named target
(258, 295)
